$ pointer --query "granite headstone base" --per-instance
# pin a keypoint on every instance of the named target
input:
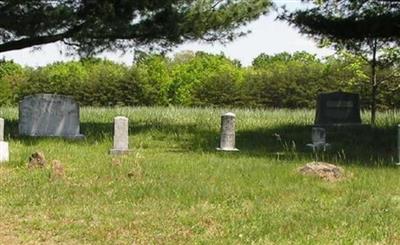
(119, 152)
(343, 126)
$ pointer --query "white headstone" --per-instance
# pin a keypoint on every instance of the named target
(49, 115)
(1, 129)
(4, 152)
(227, 141)
(121, 136)
(318, 137)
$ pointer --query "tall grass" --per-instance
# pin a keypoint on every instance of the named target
(175, 188)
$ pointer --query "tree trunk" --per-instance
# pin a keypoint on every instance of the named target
(374, 84)
(373, 104)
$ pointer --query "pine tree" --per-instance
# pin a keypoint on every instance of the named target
(92, 26)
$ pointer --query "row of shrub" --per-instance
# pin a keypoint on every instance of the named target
(198, 79)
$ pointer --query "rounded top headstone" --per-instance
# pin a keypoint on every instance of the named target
(229, 114)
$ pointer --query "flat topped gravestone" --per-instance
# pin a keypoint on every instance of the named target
(338, 108)
(49, 115)
(121, 136)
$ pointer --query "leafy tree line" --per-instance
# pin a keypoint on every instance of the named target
(199, 79)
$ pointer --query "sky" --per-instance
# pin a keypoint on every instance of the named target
(267, 36)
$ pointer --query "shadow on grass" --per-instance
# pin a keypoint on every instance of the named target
(94, 132)
(363, 145)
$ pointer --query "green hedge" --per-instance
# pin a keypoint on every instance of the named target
(91, 82)
(197, 79)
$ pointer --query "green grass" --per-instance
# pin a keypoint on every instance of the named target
(175, 188)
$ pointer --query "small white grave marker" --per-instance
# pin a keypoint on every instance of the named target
(121, 136)
(4, 151)
(318, 137)
(227, 142)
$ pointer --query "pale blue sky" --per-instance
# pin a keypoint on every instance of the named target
(268, 36)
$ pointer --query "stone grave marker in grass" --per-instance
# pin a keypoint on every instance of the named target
(4, 151)
(338, 109)
(227, 141)
(49, 115)
(398, 145)
(318, 137)
(121, 136)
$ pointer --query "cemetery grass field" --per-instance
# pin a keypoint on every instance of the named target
(175, 188)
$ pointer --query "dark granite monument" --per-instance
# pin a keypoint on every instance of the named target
(338, 108)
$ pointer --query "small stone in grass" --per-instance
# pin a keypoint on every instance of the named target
(57, 169)
(116, 162)
(37, 160)
(326, 171)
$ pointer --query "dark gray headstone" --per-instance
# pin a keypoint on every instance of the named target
(1, 129)
(49, 115)
(398, 143)
(338, 108)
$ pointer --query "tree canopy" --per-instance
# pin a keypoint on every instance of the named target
(341, 20)
(92, 26)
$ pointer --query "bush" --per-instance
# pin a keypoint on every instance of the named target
(200, 79)
(286, 81)
(91, 82)
(153, 74)
(199, 73)
(221, 89)
(11, 76)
